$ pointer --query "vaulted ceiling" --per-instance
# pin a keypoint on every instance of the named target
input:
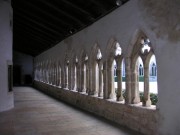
(40, 24)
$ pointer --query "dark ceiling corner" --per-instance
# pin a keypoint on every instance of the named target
(40, 24)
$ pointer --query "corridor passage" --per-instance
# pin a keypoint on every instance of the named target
(38, 114)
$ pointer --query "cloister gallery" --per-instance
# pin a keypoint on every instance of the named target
(123, 67)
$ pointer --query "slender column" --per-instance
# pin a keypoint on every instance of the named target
(96, 89)
(78, 78)
(135, 86)
(128, 80)
(54, 75)
(84, 78)
(50, 75)
(60, 78)
(119, 95)
(75, 78)
(69, 77)
(147, 101)
(57, 76)
(111, 82)
(90, 92)
(66, 77)
(100, 92)
(105, 80)
(87, 80)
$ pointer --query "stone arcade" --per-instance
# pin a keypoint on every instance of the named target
(80, 69)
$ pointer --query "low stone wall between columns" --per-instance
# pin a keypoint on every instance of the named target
(143, 120)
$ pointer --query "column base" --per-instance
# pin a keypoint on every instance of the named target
(136, 100)
(111, 96)
(120, 98)
(100, 94)
(147, 103)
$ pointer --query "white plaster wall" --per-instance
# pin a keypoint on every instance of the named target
(26, 63)
(123, 24)
(6, 98)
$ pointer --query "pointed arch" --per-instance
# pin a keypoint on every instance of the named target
(96, 79)
(114, 57)
(143, 49)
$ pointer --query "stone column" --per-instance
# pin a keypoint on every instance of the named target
(94, 80)
(60, 78)
(105, 80)
(66, 76)
(78, 78)
(100, 92)
(50, 75)
(119, 95)
(90, 82)
(128, 80)
(111, 81)
(69, 77)
(57, 76)
(87, 80)
(54, 75)
(75, 78)
(84, 78)
(146, 100)
(96, 89)
(72, 77)
(135, 86)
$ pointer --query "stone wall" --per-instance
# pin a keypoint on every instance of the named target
(124, 25)
(6, 96)
(143, 120)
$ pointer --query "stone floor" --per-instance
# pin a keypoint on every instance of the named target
(38, 114)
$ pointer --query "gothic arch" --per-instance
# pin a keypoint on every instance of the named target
(95, 68)
(142, 48)
(114, 55)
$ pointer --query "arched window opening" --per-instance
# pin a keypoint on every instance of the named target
(118, 73)
(123, 69)
(153, 67)
(123, 77)
(149, 69)
(153, 88)
(141, 70)
(145, 45)
(140, 74)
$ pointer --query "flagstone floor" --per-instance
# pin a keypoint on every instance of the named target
(38, 114)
